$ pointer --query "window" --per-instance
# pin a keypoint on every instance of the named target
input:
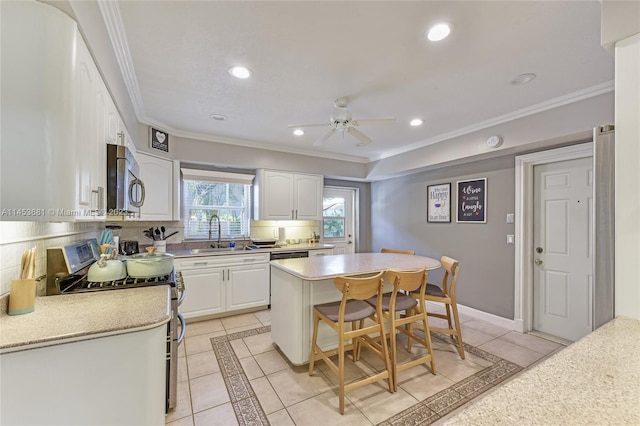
(207, 194)
(333, 217)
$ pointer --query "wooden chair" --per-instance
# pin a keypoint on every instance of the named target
(405, 286)
(447, 294)
(353, 309)
(388, 250)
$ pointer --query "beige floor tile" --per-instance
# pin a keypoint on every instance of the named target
(251, 368)
(293, 386)
(421, 384)
(534, 343)
(259, 343)
(323, 410)
(280, 418)
(183, 404)
(182, 369)
(378, 404)
(271, 362)
(473, 336)
(185, 421)
(208, 392)
(203, 327)
(220, 415)
(511, 352)
(243, 328)
(202, 364)
(484, 327)
(238, 321)
(266, 395)
(264, 316)
(240, 348)
(449, 365)
(201, 343)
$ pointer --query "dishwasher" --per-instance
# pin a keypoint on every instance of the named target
(277, 255)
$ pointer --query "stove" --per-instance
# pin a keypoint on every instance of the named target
(77, 283)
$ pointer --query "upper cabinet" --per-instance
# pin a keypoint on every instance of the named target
(161, 179)
(57, 117)
(287, 196)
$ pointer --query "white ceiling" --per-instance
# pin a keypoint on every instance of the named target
(305, 54)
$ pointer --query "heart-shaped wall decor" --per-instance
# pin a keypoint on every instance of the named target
(160, 137)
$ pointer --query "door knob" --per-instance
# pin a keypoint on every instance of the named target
(538, 261)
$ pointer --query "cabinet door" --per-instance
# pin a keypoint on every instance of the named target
(278, 196)
(99, 166)
(247, 286)
(308, 196)
(85, 126)
(204, 292)
(157, 175)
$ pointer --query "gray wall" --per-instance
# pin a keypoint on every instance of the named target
(399, 220)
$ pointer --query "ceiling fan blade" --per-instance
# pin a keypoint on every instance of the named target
(322, 139)
(364, 139)
(309, 125)
(375, 121)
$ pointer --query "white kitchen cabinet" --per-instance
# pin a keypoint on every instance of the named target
(161, 179)
(322, 252)
(223, 283)
(286, 196)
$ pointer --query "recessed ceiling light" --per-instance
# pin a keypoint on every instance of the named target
(416, 122)
(523, 79)
(218, 117)
(240, 72)
(438, 32)
(298, 132)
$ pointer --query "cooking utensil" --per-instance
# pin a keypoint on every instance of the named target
(157, 232)
(148, 234)
(153, 237)
(162, 229)
(149, 265)
(171, 234)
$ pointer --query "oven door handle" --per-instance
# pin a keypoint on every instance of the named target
(183, 328)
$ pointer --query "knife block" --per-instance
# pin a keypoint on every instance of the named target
(22, 297)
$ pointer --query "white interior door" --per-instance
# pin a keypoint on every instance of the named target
(338, 223)
(562, 270)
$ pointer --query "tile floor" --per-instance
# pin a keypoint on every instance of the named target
(289, 396)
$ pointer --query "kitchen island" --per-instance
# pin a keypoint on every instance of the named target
(299, 284)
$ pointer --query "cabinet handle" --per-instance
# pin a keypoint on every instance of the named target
(296, 214)
(121, 137)
(101, 198)
(292, 216)
(200, 263)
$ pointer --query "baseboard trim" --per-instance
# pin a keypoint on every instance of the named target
(481, 315)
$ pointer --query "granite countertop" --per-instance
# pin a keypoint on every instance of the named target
(67, 318)
(324, 267)
(239, 250)
(594, 381)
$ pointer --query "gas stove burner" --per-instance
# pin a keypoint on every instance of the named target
(79, 283)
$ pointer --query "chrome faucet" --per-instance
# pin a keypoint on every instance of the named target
(215, 216)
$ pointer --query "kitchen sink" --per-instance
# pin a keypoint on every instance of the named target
(211, 250)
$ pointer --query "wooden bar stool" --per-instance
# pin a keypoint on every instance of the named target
(393, 305)
(353, 309)
(389, 250)
(447, 294)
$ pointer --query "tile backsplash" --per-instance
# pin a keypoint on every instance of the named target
(16, 237)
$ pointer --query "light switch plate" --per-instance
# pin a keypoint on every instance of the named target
(511, 239)
(510, 217)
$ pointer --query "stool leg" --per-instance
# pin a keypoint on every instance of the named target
(454, 306)
(341, 369)
(312, 352)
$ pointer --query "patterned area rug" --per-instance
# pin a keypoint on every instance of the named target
(249, 412)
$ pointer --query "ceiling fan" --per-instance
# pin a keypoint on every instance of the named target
(341, 121)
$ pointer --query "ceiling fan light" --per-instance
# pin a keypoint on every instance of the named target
(438, 32)
(240, 72)
(298, 132)
(416, 122)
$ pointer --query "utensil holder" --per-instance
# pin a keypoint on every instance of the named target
(22, 297)
(161, 246)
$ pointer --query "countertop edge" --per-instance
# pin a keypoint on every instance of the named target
(297, 247)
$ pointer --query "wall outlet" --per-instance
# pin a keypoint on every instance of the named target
(511, 239)
(510, 217)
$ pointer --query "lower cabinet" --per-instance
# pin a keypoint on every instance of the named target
(223, 283)
(321, 252)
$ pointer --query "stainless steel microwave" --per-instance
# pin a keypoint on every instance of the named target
(125, 189)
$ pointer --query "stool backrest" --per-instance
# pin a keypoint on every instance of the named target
(359, 288)
(410, 281)
(451, 269)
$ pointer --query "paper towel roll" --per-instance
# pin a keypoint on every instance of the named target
(282, 235)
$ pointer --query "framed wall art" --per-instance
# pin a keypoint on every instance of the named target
(472, 201)
(158, 139)
(439, 203)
